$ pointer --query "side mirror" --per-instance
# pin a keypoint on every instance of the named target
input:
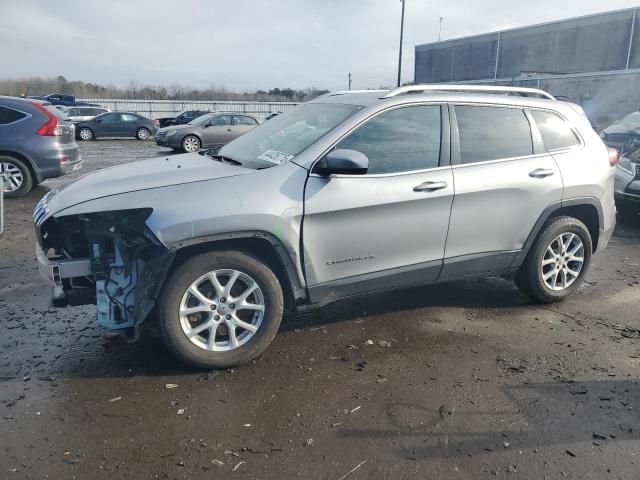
(98, 120)
(343, 161)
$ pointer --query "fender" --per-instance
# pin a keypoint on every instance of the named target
(547, 213)
(292, 271)
(27, 158)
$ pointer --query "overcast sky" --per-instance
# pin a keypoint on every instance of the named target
(247, 44)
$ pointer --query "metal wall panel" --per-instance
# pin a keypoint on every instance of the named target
(575, 46)
(170, 108)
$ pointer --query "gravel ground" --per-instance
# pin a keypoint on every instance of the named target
(459, 381)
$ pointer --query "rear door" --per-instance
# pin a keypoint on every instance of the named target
(129, 124)
(386, 228)
(242, 124)
(504, 181)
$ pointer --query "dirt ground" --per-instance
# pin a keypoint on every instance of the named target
(459, 381)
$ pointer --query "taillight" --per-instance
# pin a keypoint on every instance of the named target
(51, 127)
(614, 156)
(156, 123)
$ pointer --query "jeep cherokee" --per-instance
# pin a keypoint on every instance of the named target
(351, 193)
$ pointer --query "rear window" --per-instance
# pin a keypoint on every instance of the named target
(492, 133)
(8, 115)
(555, 131)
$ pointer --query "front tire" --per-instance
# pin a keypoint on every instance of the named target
(86, 134)
(557, 261)
(191, 144)
(220, 309)
(19, 180)
(143, 133)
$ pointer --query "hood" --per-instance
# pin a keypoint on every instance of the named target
(141, 175)
(618, 129)
(185, 126)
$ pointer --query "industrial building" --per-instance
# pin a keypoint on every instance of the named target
(592, 60)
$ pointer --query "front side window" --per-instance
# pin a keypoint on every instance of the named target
(492, 133)
(8, 115)
(220, 121)
(109, 118)
(400, 140)
(555, 132)
(244, 120)
(72, 112)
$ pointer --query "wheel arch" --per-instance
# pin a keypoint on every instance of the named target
(193, 134)
(26, 159)
(266, 247)
(93, 132)
(588, 210)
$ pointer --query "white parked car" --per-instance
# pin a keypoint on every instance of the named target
(82, 114)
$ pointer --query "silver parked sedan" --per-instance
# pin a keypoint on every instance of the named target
(206, 131)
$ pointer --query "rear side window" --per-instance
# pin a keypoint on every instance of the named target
(244, 120)
(492, 133)
(8, 115)
(555, 131)
(129, 117)
(400, 140)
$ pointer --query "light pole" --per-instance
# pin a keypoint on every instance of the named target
(349, 80)
(400, 51)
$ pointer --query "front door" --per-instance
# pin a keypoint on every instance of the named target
(504, 181)
(108, 124)
(386, 228)
(218, 130)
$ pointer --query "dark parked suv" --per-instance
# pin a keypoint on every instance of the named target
(36, 142)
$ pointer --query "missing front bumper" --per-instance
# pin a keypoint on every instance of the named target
(60, 273)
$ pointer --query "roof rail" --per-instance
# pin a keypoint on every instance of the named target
(346, 92)
(525, 92)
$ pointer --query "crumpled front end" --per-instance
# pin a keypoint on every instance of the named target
(111, 259)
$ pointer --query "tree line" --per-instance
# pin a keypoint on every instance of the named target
(139, 91)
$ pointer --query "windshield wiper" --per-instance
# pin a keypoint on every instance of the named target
(223, 159)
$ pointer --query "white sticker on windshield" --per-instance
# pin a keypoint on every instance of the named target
(273, 156)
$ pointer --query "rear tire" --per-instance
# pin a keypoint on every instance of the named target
(557, 261)
(143, 133)
(19, 178)
(86, 134)
(220, 311)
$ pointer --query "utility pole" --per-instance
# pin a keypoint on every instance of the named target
(440, 30)
(401, 35)
(349, 80)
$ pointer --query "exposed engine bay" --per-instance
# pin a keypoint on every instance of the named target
(110, 259)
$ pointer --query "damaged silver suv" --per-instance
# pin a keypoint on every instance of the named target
(352, 193)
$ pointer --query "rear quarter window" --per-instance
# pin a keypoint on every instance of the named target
(555, 131)
(9, 115)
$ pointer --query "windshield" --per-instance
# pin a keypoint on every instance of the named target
(201, 120)
(285, 136)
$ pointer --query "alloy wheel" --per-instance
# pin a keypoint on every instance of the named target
(562, 261)
(85, 134)
(143, 134)
(222, 310)
(13, 175)
(191, 144)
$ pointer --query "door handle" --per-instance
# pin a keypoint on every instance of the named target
(228, 129)
(541, 173)
(430, 186)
